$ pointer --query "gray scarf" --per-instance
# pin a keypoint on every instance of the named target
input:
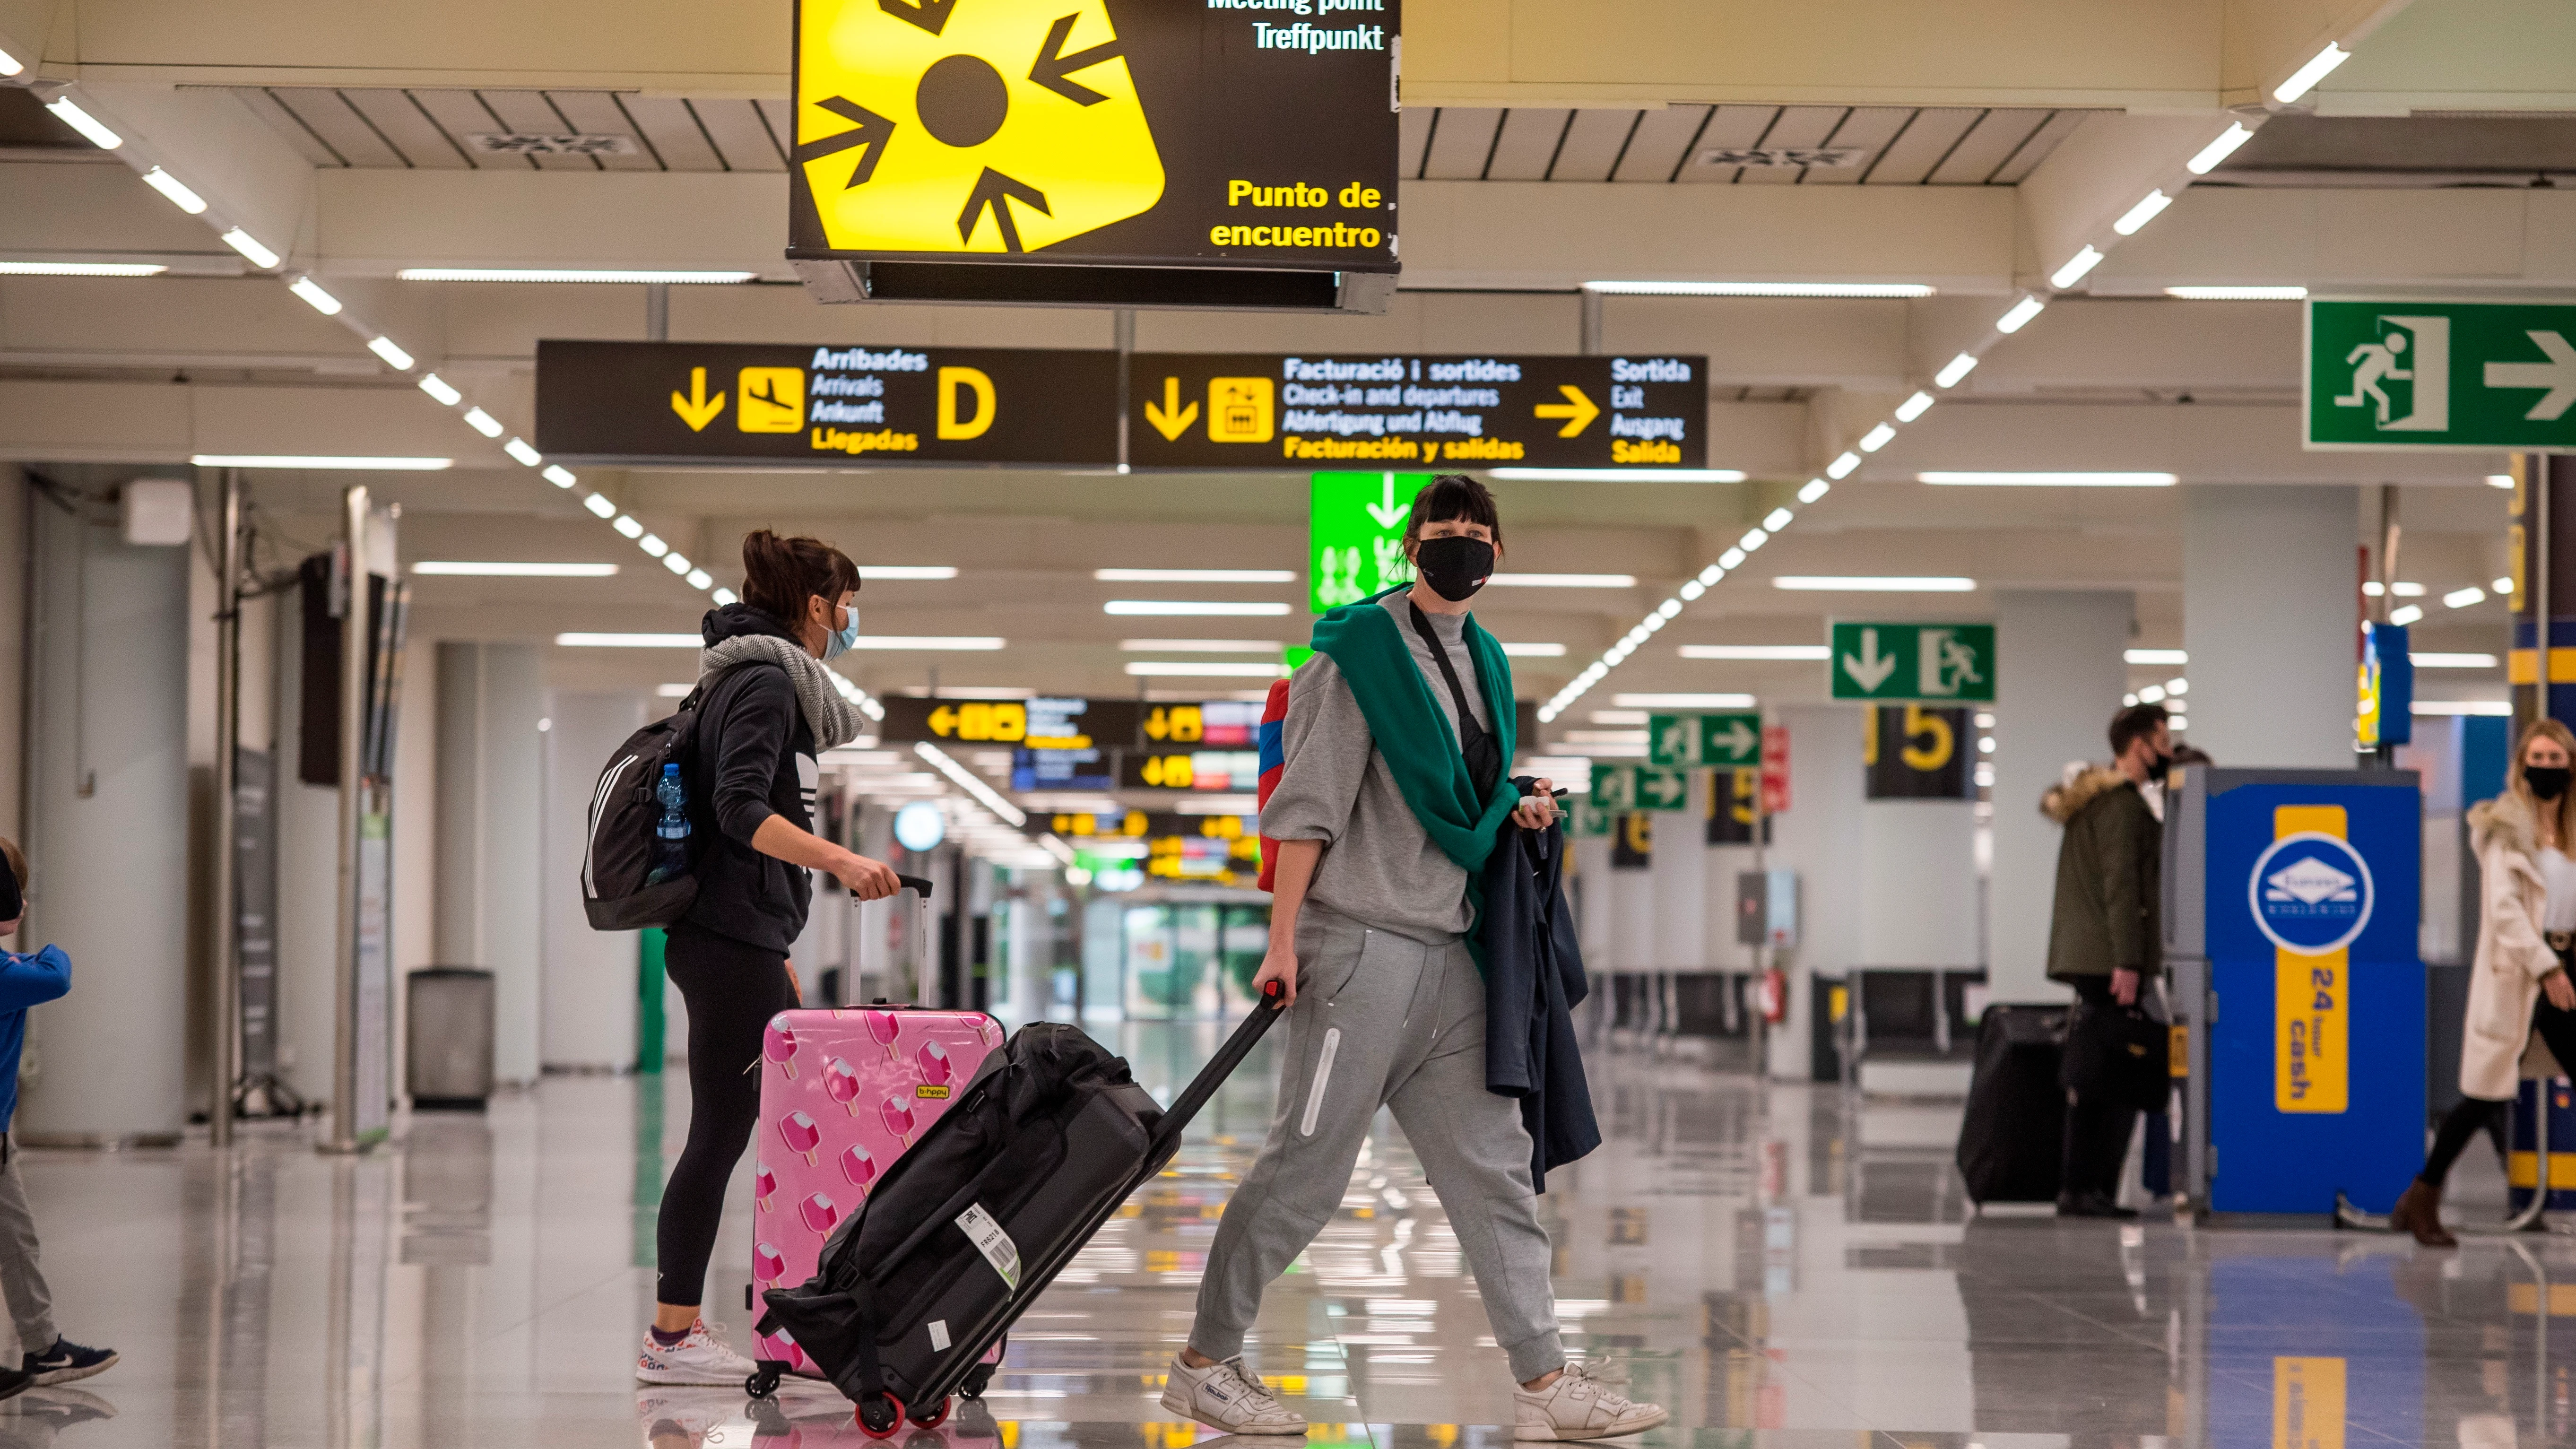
(834, 720)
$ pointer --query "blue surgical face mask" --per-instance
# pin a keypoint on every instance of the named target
(844, 638)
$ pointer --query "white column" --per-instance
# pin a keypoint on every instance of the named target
(2270, 609)
(1592, 900)
(308, 863)
(490, 782)
(107, 835)
(1820, 838)
(1918, 907)
(1680, 876)
(2059, 676)
(586, 990)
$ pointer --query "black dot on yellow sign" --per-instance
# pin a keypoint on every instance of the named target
(963, 101)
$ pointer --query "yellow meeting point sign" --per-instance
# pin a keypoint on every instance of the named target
(985, 126)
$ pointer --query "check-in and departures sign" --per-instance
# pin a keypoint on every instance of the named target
(824, 406)
(1198, 410)
(1223, 134)
(1913, 661)
(2476, 375)
(1704, 739)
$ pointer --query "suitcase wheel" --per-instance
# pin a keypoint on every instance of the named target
(935, 1420)
(879, 1415)
(980, 1377)
(762, 1383)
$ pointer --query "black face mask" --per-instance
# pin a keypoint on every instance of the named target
(2160, 768)
(1454, 567)
(2547, 782)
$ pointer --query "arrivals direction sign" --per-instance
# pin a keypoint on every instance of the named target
(1228, 134)
(824, 406)
(2473, 375)
(1438, 413)
(1704, 739)
(1913, 661)
(1030, 724)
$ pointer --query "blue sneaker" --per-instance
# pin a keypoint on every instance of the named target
(67, 1361)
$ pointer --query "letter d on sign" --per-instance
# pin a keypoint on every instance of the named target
(953, 380)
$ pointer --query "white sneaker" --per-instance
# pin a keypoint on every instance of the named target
(1226, 1396)
(701, 1358)
(1579, 1405)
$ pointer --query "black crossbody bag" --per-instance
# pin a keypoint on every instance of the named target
(1483, 753)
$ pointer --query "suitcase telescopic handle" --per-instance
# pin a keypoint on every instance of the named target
(1176, 1118)
(918, 884)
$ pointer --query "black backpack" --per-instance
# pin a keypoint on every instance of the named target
(617, 855)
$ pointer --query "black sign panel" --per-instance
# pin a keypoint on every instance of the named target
(1909, 752)
(1734, 805)
(1397, 411)
(1048, 723)
(1204, 133)
(1632, 840)
(824, 406)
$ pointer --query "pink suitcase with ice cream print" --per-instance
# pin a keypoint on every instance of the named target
(843, 1093)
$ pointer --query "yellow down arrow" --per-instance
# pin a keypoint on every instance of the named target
(697, 409)
(1577, 410)
(1171, 419)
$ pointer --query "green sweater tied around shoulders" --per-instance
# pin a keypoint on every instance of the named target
(1406, 724)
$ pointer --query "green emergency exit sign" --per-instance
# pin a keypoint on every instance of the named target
(2473, 375)
(1355, 535)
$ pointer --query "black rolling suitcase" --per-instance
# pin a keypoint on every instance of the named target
(2010, 1136)
(971, 1224)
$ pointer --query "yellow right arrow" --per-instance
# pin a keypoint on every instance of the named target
(697, 409)
(1577, 410)
(1171, 419)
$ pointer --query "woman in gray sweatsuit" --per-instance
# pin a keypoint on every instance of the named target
(1368, 934)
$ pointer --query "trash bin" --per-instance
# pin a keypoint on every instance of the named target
(450, 1038)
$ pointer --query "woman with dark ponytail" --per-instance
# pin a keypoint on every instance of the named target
(768, 709)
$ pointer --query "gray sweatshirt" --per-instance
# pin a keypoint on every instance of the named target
(1379, 864)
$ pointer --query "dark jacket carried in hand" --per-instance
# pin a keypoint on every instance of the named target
(2110, 878)
(1533, 981)
(754, 759)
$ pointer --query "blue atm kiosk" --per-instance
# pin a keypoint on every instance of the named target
(2290, 901)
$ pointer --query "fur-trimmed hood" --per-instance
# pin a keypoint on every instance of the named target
(2506, 821)
(2083, 784)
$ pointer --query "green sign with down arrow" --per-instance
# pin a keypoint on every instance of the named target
(1704, 739)
(2478, 375)
(1355, 535)
(1949, 662)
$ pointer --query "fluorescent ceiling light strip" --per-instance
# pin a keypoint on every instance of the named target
(1205, 668)
(526, 456)
(2238, 294)
(1760, 289)
(2305, 78)
(392, 352)
(2499, 480)
(701, 579)
(2048, 480)
(1914, 407)
(580, 640)
(1877, 438)
(483, 422)
(2156, 656)
(249, 246)
(1193, 576)
(181, 196)
(82, 121)
(2219, 150)
(570, 274)
(2452, 661)
(677, 563)
(2462, 706)
(1201, 646)
(314, 297)
(9, 64)
(2149, 207)
(1816, 488)
(922, 643)
(497, 569)
(283, 460)
(2406, 615)
(2019, 314)
(559, 475)
(965, 780)
(900, 572)
(81, 269)
(1534, 651)
(2076, 266)
(1563, 581)
(1875, 584)
(2462, 598)
(652, 544)
(598, 503)
(1184, 608)
(1620, 475)
(1682, 701)
(1955, 369)
(1756, 651)
(728, 596)
(1841, 468)
(439, 388)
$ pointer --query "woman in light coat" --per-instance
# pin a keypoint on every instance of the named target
(2518, 986)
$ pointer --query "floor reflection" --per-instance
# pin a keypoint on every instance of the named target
(1781, 1265)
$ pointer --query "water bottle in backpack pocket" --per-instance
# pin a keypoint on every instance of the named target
(671, 834)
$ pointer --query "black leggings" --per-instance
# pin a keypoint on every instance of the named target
(2477, 1114)
(732, 990)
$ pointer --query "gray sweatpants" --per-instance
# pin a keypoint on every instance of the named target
(1385, 1020)
(31, 1303)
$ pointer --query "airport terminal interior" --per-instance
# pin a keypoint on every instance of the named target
(2004, 526)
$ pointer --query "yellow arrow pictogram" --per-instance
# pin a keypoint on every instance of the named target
(1173, 418)
(697, 409)
(943, 720)
(1577, 410)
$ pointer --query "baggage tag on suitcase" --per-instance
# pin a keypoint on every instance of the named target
(844, 1092)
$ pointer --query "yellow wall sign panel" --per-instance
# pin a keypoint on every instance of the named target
(981, 126)
(2312, 999)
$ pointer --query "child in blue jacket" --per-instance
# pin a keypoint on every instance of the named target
(26, 980)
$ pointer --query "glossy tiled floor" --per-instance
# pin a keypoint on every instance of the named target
(1779, 1266)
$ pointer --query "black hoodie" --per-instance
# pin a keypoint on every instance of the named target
(754, 759)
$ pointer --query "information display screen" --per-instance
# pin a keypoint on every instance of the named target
(1207, 133)
(1406, 412)
(824, 406)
